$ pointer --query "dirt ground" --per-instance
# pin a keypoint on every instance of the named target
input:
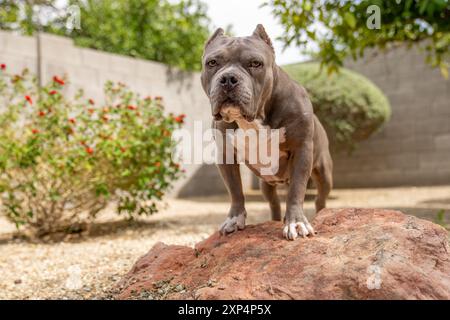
(87, 266)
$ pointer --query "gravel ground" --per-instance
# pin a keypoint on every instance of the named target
(87, 266)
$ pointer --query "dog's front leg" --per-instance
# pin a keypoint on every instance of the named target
(236, 215)
(295, 222)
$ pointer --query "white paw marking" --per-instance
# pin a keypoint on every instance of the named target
(233, 224)
(292, 230)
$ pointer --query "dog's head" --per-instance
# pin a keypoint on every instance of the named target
(238, 72)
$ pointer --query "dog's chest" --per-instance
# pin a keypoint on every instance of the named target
(259, 147)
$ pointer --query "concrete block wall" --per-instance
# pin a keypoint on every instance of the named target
(413, 148)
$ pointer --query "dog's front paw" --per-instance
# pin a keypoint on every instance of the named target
(233, 224)
(292, 230)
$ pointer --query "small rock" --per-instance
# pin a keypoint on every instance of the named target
(179, 288)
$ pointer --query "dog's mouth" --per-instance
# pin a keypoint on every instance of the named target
(228, 102)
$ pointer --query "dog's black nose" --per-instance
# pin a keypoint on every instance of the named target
(228, 81)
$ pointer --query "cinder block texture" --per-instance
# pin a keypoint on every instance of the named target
(413, 148)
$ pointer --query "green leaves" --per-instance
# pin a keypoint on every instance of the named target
(156, 30)
(440, 219)
(423, 6)
(344, 29)
(350, 19)
(444, 70)
(350, 107)
(72, 156)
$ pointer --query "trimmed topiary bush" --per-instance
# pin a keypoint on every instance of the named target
(350, 106)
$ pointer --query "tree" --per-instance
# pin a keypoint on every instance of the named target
(27, 16)
(159, 30)
(343, 28)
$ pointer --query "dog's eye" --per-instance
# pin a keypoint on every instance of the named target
(255, 64)
(212, 63)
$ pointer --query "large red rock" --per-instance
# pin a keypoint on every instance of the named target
(357, 254)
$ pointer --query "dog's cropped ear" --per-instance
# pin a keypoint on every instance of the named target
(261, 33)
(219, 32)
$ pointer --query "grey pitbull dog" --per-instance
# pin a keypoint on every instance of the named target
(241, 71)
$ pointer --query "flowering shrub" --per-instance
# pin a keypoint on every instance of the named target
(62, 161)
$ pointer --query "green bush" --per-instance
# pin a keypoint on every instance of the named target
(349, 105)
(62, 161)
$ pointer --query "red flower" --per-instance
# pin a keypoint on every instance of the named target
(157, 164)
(91, 101)
(3, 66)
(131, 107)
(72, 120)
(35, 131)
(28, 98)
(58, 80)
(89, 150)
(53, 92)
(41, 113)
(180, 118)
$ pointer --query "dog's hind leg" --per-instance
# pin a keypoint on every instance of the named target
(323, 179)
(270, 194)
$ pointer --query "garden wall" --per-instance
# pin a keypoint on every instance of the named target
(413, 148)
